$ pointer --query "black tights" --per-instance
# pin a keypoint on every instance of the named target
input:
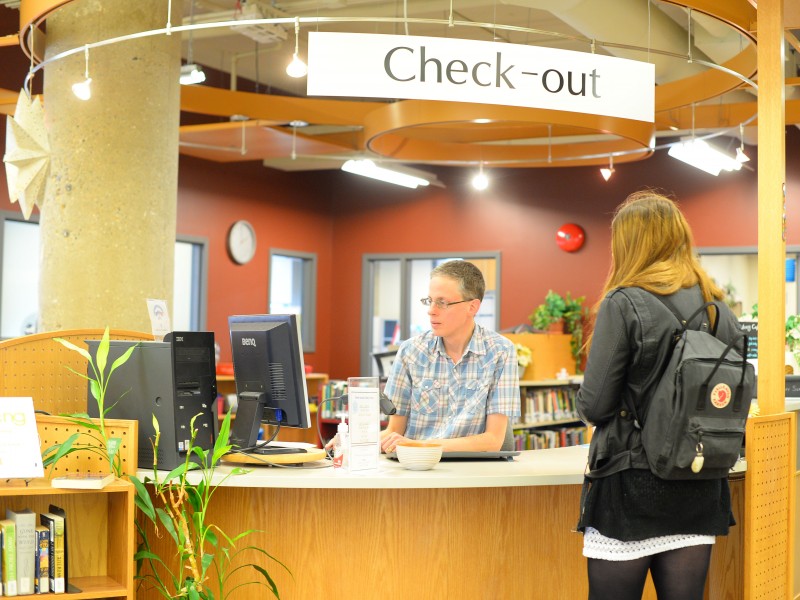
(677, 574)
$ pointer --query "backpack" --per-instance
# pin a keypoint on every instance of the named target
(693, 425)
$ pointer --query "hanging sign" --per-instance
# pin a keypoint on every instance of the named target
(429, 68)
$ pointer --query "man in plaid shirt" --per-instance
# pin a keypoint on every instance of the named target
(457, 383)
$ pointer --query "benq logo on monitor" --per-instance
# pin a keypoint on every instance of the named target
(249, 342)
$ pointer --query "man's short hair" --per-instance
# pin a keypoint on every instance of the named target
(467, 275)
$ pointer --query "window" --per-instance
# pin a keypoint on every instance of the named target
(293, 290)
(19, 279)
(392, 287)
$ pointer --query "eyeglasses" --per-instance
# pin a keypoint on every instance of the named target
(441, 304)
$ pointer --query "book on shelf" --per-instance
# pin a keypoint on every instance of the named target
(56, 550)
(8, 532)
(82, 481)
(56, 510)
(41, 582)
(25, 522)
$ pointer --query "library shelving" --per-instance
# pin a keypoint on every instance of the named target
(100, 542)
(100, 524)
(549, 417)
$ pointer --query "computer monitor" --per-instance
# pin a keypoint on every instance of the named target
(270, 375)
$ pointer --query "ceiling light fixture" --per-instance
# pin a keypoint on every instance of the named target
(480, 182)
(297, 68)
(190, 72)
(83, 89)
(702, 155)
(607, 173)
(741, 157)
(368, 168)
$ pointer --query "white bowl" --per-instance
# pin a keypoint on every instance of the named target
(419, 456)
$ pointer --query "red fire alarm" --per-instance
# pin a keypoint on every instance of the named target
(570, 237)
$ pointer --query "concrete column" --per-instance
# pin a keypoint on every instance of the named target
(108, 221)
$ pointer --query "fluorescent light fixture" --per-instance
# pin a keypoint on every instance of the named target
(191, 74)
(368, 168)
(702, 155)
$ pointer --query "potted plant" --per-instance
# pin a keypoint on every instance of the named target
(204, 556)
(98, 377)
(567, 310)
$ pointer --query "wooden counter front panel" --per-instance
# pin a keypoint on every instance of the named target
(474, 543)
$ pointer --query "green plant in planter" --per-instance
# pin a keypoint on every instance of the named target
(568, 309)
(205, 554)
(99, 441)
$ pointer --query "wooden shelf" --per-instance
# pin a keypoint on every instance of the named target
(100, 532)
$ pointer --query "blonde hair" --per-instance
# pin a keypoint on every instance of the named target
(652, 248)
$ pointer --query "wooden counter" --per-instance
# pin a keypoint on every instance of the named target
(462, 530)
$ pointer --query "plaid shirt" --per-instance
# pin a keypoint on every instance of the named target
(446, 400)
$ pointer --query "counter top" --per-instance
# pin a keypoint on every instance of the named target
(558, 466)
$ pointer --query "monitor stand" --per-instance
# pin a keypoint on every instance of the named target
(274, 450)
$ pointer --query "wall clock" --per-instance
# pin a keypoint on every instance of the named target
(241, 242)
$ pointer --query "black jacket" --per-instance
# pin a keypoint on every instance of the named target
(631, 341)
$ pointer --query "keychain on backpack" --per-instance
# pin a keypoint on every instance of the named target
(697, 463)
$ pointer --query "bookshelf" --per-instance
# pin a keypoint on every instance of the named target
(100, 532)
(549, 418)
(100, 523)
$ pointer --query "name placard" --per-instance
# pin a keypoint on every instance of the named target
(451, 69)
(20, 455)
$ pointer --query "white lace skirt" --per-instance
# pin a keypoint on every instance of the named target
(596, 545)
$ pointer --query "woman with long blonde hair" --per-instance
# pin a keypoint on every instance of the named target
(633, 521)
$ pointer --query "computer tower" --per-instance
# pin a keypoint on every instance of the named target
(175, 381)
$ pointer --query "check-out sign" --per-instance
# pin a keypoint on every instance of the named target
(457, 70)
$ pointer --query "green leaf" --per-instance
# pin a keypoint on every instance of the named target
(142, 498)
(94, 387)
(101, 358)
(66, 447)
(121, 360)
(270, 581)
(221, 446)
(206, 561)
(82, 351)
(166, 521)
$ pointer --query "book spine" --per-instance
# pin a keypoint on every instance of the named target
(9, 557)
(57, 583)
(42, 559)
(25, 525)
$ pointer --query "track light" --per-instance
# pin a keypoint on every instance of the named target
(83, 89)
(702, 155)
(741, 157)
(480, 182)
(607, 173)
(368, 168)
(297, 68)
(191, 74)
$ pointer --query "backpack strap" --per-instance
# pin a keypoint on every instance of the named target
(685, 322)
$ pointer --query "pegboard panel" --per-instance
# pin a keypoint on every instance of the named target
(37, 366)
(769, 506)
(56, 430)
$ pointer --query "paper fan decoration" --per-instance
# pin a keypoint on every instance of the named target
(27, 155)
